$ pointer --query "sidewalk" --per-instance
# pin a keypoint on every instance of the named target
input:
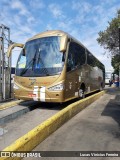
(96, 128)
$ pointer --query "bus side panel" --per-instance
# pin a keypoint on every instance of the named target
(70, 84)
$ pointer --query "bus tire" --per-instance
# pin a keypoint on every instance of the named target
(82, 91)
(101, 87)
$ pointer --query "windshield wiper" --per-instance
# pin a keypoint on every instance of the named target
(32, 64)
(29, 64)
(34, 59)
(25, 69)
(45, 69)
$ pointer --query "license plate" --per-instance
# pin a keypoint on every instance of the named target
(31, 95)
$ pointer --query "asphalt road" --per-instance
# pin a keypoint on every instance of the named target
(18, 127)
(96, 128)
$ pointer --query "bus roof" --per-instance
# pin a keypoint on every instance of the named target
(49, 33)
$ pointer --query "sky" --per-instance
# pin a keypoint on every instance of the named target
(83, 19)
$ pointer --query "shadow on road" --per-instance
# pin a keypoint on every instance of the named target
(112, 109)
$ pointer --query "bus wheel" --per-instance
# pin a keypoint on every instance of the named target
(81, 93)
(101, 87)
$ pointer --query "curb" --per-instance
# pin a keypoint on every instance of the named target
(9, 104)
(14, 112)
(30, 140)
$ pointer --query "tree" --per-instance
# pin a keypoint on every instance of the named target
(109, 40)
(115, 62)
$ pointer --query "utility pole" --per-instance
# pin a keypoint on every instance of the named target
(5, 64)
(119, 43)
(1, 68)
(119, 54)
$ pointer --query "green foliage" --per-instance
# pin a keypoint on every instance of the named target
(109, 40)
(116, 63)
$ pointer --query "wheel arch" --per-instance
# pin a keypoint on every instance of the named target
(83, 86)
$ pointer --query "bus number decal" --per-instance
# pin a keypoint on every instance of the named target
(76, 94)
(79, 78)
(70, 85)
(42, 94)
(35, 92)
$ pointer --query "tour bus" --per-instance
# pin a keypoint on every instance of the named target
(108, 76)
(55, 67)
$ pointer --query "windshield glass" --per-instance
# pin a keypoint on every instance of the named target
(40, 57)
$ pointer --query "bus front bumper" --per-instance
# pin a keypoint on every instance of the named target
(40, 96)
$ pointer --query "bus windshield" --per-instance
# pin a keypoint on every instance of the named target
(41, 57)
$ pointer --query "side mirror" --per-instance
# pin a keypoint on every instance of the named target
(63, 43)
(11, 47)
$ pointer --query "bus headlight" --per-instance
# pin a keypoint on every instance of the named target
(58, 87)
(15, 86)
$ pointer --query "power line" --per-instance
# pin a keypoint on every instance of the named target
(6, 38)
(5, 63)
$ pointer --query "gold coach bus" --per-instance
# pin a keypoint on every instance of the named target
(55, 67)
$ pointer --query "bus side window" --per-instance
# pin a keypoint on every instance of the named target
(71, 58)
(70, 62)
(76, 56)
(80, 55)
